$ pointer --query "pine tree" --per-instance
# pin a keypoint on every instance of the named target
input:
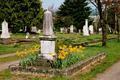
(77, 9)
(20, 13)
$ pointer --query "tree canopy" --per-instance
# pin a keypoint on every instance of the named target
(78, 10)
(20, 13)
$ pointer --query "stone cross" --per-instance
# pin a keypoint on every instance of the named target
(5, 32)
(48, 24)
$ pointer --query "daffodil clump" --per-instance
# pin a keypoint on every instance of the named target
(64, 50)
(68, 55)
(29, 51)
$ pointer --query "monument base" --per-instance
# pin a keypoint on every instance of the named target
(48, 47)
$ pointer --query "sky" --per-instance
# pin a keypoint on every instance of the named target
(54, 3)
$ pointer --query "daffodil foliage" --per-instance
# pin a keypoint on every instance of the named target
(68, 55)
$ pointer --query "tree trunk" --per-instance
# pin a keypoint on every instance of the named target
(118, 29)
(102, 24)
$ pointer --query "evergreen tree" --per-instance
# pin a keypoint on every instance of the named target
(77, 9)
(20, 13)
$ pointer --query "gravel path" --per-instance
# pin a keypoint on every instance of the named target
(112, 73)
(7, 64)
(7, 55)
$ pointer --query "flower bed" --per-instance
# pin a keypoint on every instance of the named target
(70, 59)
(80, 66)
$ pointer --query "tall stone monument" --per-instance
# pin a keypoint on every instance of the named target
(5, 32)
(48, 39)
(85, 28)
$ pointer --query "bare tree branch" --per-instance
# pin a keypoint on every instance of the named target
(93, 3)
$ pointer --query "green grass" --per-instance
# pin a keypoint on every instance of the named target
(113, 55)
(112, 50)
(18, 35)
(22, 35)
(8, 59)
(12, 48)
(5, 75)
(78, 38)
(61, 39)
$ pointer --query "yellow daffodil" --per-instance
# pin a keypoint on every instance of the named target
(66, 50)
(26, 52)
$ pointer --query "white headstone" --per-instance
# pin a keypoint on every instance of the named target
(39, 31)
(34, 29)
(5, 31)
(33, 37)
(47, 48)
(65, 30)
(25, 29)
(79, 31)
(100, 30)
(20, 30)
(91, 29)
(71, 29)
(85, 28)
(27, 35)
(61, 30)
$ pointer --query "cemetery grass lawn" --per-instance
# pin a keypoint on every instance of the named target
(8, 59)
(78, 38)
(18, 35)
(22, 35)
(12, 48)
(113, 55)
(75, 36)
